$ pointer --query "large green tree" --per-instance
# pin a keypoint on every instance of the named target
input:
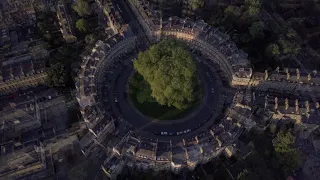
(273, 50)
(256, 30)
(57, 75)
(141, 88)
(195, 4)
(82, 25)
(90, 38)
(283, 142)
(81, 7)
(233, 10)
(170, 71)
(253, 6)
(291, 33)
(42, 26)
(286, 152)
(289, 46)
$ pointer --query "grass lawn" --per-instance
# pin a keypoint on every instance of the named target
(156, 111)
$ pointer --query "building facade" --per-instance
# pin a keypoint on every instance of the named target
(89, 84)
(20, 73)
(216, 46)
(20, 117)
(65, 22)
(115, 20)
(244, 111)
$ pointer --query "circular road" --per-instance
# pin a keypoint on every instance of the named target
(196, 121)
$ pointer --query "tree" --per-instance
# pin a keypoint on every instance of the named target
(273, 50)
(273, 128)
(233, 10)
(141, 88)
(82, 24)
(287, 154)
(295, 21)
(170, 71)
(195, 4)
(81, 7)
(90, 38)
(256, 30)
(289, 46)
(47, 36)
(282, 143)
(57, 75)
(291, 33)
(41, 26)
(253, 7)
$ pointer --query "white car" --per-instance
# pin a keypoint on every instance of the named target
(164, 133)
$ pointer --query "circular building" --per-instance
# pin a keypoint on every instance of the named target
(185, 142)
(235, 99)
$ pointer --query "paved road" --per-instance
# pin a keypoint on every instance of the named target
(130, 18)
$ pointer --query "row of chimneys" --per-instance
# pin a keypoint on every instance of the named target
(288, 74)
(307, 104)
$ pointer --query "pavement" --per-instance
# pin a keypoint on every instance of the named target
(130, 18)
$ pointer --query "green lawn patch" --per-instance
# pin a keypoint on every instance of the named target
(156, 111)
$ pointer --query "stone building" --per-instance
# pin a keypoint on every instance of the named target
(98, 121)
(115, 20)
(216, 46)
(22, 51)
(21, 117)
(65, 22)
(213, 44)
(24, 160)
(20, 73)
(174, 156)
(112, 166)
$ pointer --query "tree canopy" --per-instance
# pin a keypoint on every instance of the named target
(291, 33)
(170, 71)
(195, 4)
(81, 7)
(57, 75)
(253, 7)
(273, 50)
(256, 30)
(286, 152)
(233, 10)
(289, 46)
(82, 24)
(141, 88)
(282, 142)
(90, 38)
